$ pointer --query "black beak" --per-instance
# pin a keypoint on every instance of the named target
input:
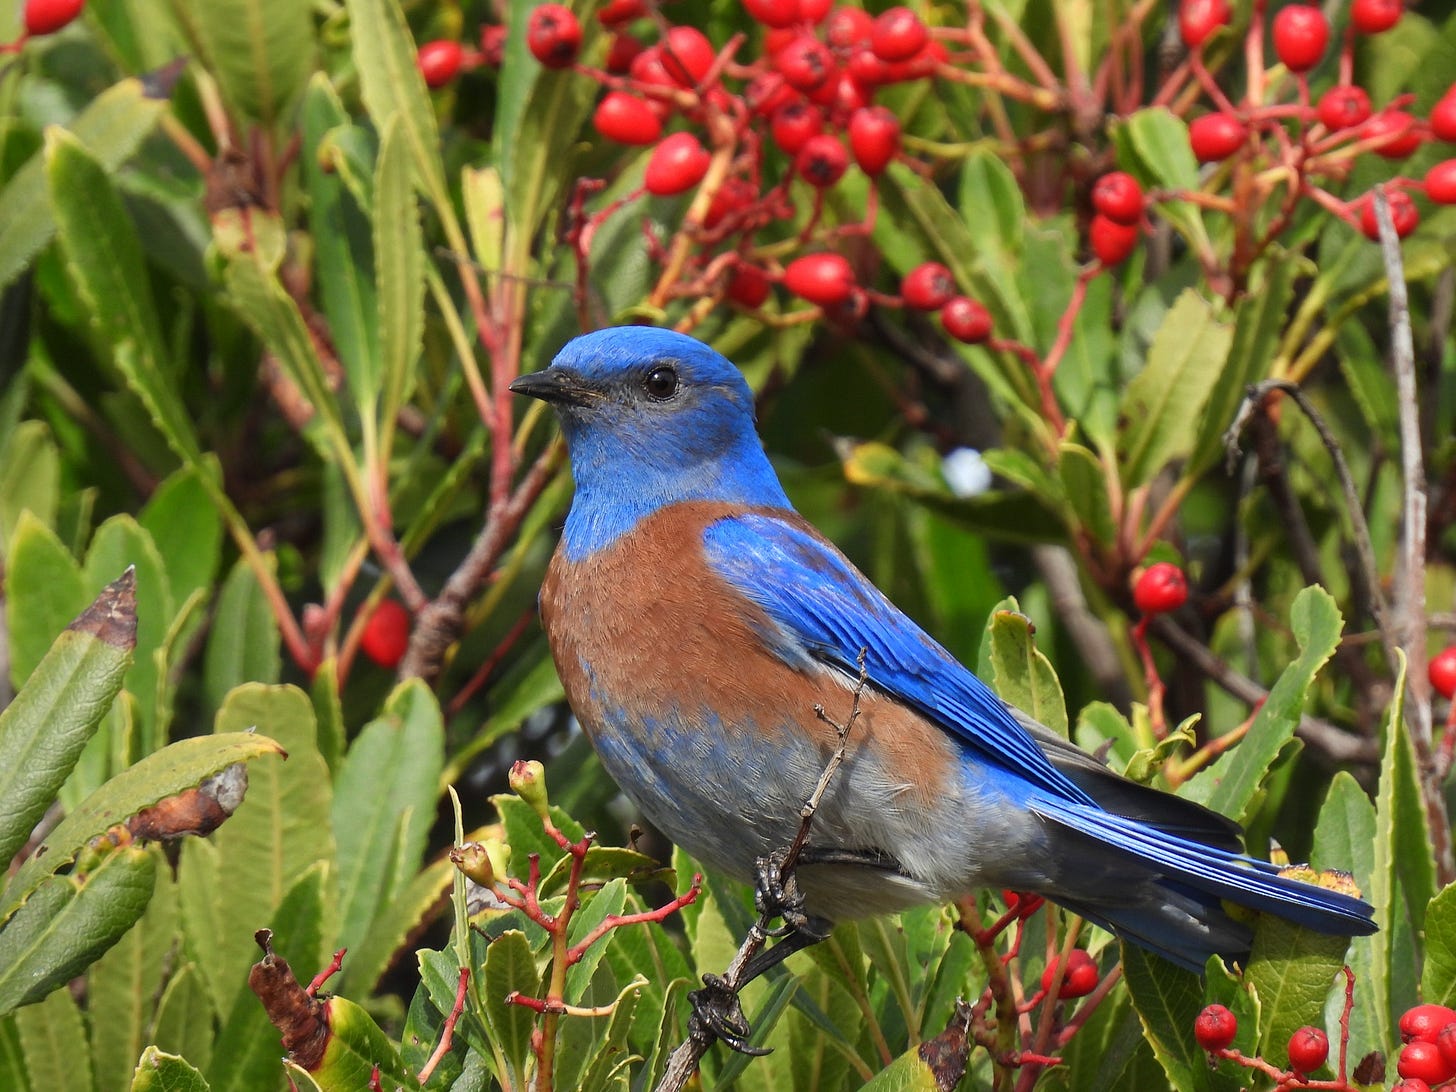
(558, 385)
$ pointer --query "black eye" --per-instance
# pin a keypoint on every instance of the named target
(661, 383)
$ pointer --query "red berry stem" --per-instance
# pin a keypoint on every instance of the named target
(1151, 679)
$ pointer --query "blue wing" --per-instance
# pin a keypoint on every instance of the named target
(826, 611)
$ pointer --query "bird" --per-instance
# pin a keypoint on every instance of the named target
(697, 621)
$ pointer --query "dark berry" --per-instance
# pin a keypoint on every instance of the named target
(1160, 588)
(1215, 137)
(822, 161)
(1118, 197)
(687, 55)
(386, 635)
(1080, 978)
(928, 287)
(898, 34)
(1374, 16)
(439, 61)
(805, 62)
(824, 279)
(1442, 673)
(1397, 133)
(1404, 216)
(1344, 107)
(874, 138)
(748, 286)
(627, 119)
(1215, 1028)
(49, 16)
(553, 35)
(773, 13)
(1197, 19)
(1423, 1061)
(1426, 1021)
(677, 164)
(1443, 116)
(792, 126)
(1112, 242)
(1301, 33)
(968, 320)
(1308, 1049)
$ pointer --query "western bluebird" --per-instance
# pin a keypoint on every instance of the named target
(697, 620)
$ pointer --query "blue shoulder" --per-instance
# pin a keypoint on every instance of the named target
(827, 611)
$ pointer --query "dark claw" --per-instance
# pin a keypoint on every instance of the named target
(717, 1014)
(777, 895)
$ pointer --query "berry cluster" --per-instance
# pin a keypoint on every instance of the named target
(1428, 1056)
(1308, 1049)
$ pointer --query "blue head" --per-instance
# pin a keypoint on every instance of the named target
(651, 418)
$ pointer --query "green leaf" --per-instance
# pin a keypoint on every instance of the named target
(1344, 838)
(385, 795)
(30, 478)
(395, 922)
(1024, 677)
(510, 968)
(45, 728)
(607, 901)
(1164, 402)
(1084, 481)
(13, 1073)
(178, 766)
(399, 276)
(356, 1047)
(44, 591)
(69, 922)
(1438, 978)
(51, 1036)
(181, 515)
(1167, 1000)
(260, 52)
(1154, 142)
(1291, 970)
(185, 1017)
(160, 1072)
(1231, 784)
(244, 644)
(111, 126)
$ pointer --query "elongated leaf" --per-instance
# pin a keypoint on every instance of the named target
(184, 1023)
(1156, 140)
(50, 1034)
(180, 514)
(1085, 481)
(30, 477)
(43, 731)
(1229, 785)
(69, 922)
(1165, 401)
(1024, 676)
(509, 966)
(259, 51)
(111, 126)
(13, 1073)
(1438, 979)
(243, 646)
(394, 923)
(44, 591)
(1292, 970)
(181, 765)
(385, 796)
(1168, 1000)
(159, 1072)
(356, 1047)
(399, 276)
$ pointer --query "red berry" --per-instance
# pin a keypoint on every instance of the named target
(1423, 1061)
(792, 126)
(1374, 16)
(1197, 19)
(822, 161)
(386, 634)
(814, 11)
(824, 279)
(1344, 107)
(805, 62)
(1215, 1028)
(748, 286)
(1426, 1021)
(627, 119)
(734, 194)
(1446, 1043)
(677, 164)
(49, 16)
(1080, 978)
(1404, 216)
(618, 13)
(1118, 197)
(1301, 33)
(1160, 588)
(928, 287)
(687, 55)
(1441, 186)
(1215, 137)
(1112, 242)
(492, 44)
(1399, 133)
(1410, 1085)
(767, 93)
(898, 34)
(773, 13)
(624, 49)
(439, 62)
(1308, 1049)
(968, 320)
(849, 28)
(1442, 673)
(874, 138)
(553, 35)
(1443, 116)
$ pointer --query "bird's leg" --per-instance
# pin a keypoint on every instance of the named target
(776, 894)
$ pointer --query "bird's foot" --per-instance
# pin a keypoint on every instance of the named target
(776, 893)
(718, 1014)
